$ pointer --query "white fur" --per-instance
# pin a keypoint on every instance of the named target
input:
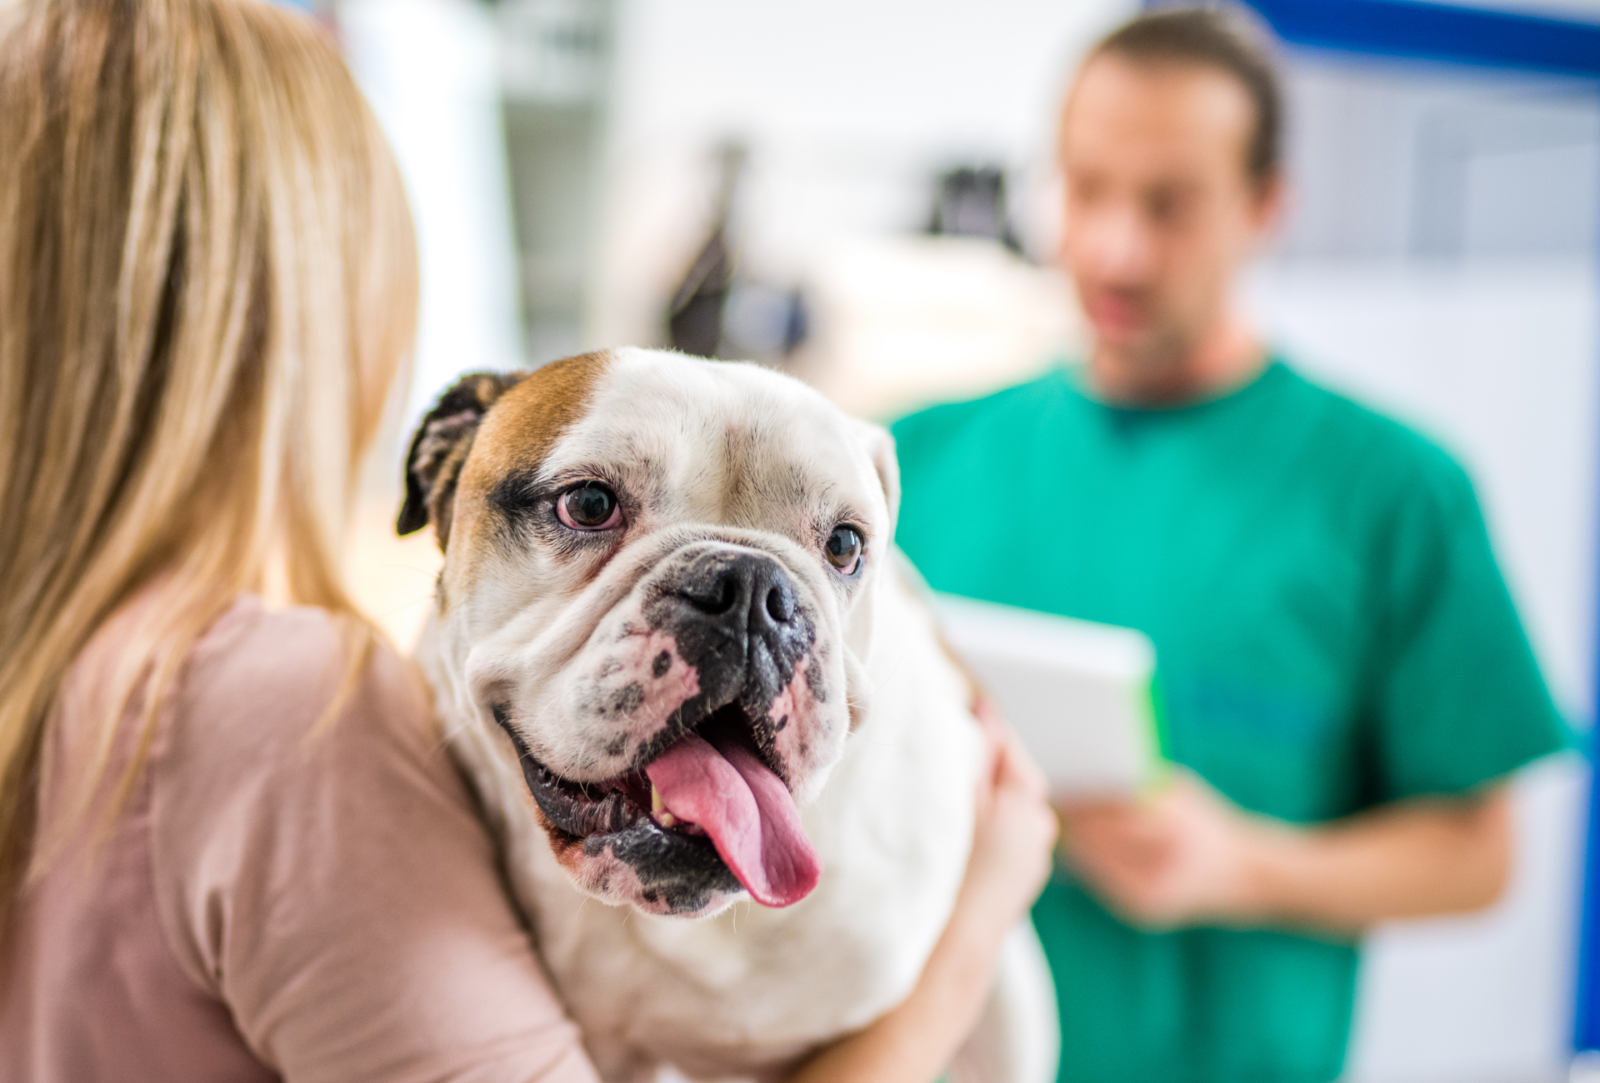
(888, 806)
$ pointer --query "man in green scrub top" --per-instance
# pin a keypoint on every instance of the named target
(1341, 671)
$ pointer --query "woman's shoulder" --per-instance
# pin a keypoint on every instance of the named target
(295, 651)
(288, 688)
(326, 873)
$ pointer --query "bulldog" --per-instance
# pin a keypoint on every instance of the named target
(730, 766)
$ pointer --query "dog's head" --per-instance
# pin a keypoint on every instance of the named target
(655, 583)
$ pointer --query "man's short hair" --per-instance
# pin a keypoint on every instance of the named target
(1218, 37)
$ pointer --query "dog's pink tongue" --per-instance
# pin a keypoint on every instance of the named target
(747, 811)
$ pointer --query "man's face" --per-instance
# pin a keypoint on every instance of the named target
(1160, 210)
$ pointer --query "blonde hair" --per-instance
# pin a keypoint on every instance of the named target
(207, 287)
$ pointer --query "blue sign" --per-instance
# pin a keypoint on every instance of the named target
(1422, 31)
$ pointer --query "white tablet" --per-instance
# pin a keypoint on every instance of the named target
(1078, 693)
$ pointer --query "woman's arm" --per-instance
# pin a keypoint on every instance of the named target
(1010, 861)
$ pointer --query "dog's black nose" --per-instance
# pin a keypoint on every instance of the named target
(740, 621)
(747, 591)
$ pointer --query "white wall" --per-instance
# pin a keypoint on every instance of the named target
(428, 68)
(848, 106)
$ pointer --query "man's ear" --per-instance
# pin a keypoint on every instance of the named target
(879, 446)
(440, 446)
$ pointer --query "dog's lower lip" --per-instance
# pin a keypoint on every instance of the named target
(599, 812)
(578, 809)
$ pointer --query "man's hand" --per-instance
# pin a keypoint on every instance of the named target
(1187, 856)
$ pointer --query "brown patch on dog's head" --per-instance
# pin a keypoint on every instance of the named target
(531, 417)
(545, 401)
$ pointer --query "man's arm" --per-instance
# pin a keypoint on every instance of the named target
(1187, 856)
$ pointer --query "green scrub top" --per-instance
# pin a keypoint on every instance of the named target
(1331, 632)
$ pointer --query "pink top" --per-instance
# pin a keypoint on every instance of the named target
(270, 905)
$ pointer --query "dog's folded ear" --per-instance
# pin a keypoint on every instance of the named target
(440, 446)
(879, 446)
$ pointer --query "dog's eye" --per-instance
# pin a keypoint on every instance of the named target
(591, 506)
(844, 549)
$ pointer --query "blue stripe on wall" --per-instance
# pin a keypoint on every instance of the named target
(1425, 31)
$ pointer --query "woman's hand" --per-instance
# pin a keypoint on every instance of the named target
(1013, 833)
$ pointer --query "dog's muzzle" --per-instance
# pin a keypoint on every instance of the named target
(736, 620)
(707, 805)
